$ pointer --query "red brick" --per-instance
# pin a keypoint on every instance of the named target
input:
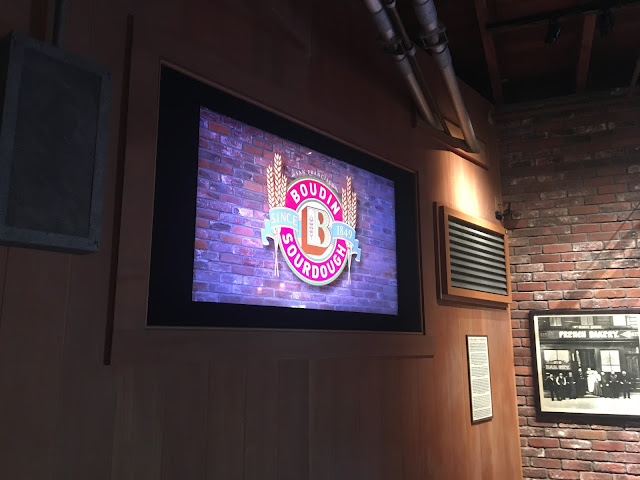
(558, 267)
(585, 228)
(606, 236)
(616, 226)
(584, 209)
(557, 295)
(597, 456)
(564, 475)
(543, 442)
(243, 230)
(635, 469)
(625, 457)
(576, 465)
(544, 240)
(601, 218)
(251, 149)
(591, 284)
(545, 463)
(610, 293)
(599, 199)
(595, 476)
(626, 302)
(595, 303)
(612, 189)
(561, 453)
(610, 467)
(591, 434)
(624, 283)
(576, 256)
(560, 285)
(216, 127)
(534, 472)
(546, 276)
(576, 444)
(545, 258)
(530, 286)
(521, 296)
(610, 273)
(557, 248)
(564, 304)
(578, 294)
(608, 446)
(559, 432)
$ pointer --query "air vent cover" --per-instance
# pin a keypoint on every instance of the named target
(474, 264)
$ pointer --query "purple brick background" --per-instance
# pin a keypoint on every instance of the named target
(230, 263)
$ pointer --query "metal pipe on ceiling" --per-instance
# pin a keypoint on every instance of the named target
(389, 35)
(435, 42)
(409, 47)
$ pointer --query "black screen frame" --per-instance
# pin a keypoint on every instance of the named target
(170, 301)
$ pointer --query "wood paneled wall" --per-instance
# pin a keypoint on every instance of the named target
(65, 415)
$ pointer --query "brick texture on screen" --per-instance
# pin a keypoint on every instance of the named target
(572, 175)
(231, 265)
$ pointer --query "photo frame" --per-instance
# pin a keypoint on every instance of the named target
(586, 362)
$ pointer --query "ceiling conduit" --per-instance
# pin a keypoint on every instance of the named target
(393, 43)
(434, 41)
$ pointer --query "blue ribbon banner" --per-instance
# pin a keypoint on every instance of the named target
(340, 230)
(280, 217)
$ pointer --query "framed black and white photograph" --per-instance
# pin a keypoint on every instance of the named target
(586, 361)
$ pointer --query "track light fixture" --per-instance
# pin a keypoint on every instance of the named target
(553, 31)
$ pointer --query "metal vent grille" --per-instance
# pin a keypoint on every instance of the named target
(477, 259)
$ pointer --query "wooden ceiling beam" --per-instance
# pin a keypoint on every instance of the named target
(586, 42)
(482, 14)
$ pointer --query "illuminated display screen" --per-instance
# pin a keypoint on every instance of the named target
(260, 222)
(317, 265)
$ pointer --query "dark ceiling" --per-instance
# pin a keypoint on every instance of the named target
(499, 48)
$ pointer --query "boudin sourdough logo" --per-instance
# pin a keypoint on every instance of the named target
(312, 227)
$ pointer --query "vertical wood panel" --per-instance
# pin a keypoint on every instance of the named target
(185, 422)
(321, 420)
(31, 342)
(428, 435)
(293, 420)
(226, 421)
(261, 421)
(348, 449)
(370, 420)
(408, 393)
(85, 439)
(137, 445)
(392, 432)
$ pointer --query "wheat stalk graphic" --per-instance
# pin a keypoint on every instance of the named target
(276, 195)
(349, 212)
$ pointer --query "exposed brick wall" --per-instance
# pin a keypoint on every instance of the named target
(572, 175)
(231, 263)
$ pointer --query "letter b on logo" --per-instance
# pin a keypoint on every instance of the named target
(316, 235)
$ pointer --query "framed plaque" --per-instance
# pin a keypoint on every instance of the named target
(479, 378)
